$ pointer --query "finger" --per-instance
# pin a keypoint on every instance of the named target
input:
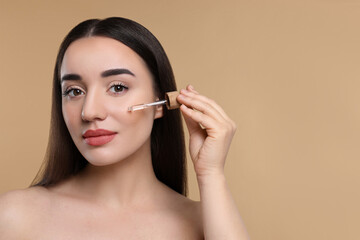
(192, 125)
(190, 88)
(198, 118)
(194, 101)
(212, 103)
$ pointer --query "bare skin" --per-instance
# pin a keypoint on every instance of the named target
(117, 196)
(61, 213)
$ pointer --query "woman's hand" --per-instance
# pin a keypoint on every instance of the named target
(210, 130)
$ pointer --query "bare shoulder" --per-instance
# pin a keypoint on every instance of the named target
(187, 214)
(23, 198)
(189, 207)
(191, 210)
(18, 209)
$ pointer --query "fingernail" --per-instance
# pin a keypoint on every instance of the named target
(181, 96)
(184, 91)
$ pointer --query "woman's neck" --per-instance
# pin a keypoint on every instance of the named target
(129, 182)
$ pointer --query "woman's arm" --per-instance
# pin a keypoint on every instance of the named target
(221, 218)
(211, 132)
(14, 215)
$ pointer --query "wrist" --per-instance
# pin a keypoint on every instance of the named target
(211, 179)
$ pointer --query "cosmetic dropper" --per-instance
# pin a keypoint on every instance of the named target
(169, 101)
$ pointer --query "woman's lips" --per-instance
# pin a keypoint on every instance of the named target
(98, 137)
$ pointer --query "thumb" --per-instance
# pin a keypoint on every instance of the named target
(192, 125)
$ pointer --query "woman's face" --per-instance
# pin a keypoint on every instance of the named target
(100, 79)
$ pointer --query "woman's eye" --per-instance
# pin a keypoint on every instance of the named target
(73, 92)
(118, 88)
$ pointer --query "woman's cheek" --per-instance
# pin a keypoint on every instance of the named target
(141, 120)
(140, 124)
(71, 116)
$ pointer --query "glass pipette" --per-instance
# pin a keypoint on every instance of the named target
(146, 105)
(170, 102)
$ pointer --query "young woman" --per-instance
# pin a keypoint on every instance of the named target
(114, 174)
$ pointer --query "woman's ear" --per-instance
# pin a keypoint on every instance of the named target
(159, 110)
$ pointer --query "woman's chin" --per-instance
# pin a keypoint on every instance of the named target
(103, 162)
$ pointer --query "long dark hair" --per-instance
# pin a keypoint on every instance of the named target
(63, 159)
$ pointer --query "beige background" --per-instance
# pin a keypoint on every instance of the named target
(286, 71)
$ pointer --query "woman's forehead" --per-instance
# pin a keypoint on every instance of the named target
(99, 53)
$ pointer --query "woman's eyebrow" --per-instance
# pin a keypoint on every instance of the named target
(116, 71)
(107, 73)
(70, 76)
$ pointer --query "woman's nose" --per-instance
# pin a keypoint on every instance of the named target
(93, 108)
